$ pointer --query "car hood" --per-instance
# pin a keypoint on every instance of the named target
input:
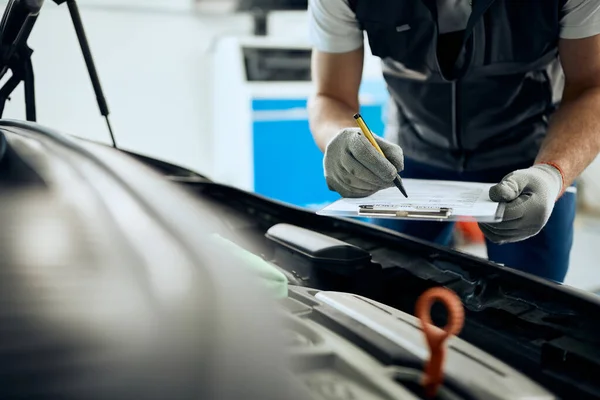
(543, 330)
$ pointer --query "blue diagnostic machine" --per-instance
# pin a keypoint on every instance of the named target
(271, 142)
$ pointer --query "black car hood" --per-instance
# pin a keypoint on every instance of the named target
(546, 330)
(108, 289)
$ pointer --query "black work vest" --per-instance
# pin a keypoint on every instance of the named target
(488, 109)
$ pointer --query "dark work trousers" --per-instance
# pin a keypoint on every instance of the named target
(545, 255)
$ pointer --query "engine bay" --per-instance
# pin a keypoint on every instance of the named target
(545, 330)
(352, 288)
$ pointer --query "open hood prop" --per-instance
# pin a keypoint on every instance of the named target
(15, 54)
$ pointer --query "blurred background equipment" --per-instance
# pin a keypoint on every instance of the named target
(250, 5)
(262, 140)
(270, 5)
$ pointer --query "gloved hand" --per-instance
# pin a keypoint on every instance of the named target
(354, 168)
(530, 195)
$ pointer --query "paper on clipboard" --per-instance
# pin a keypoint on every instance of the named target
(427, 200)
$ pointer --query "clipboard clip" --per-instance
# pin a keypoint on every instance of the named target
(371, 210)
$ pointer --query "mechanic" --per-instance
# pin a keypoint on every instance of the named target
(478, 93)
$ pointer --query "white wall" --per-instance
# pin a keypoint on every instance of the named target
(153, 67)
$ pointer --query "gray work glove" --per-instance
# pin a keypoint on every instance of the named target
(530, 195)
(354, 168)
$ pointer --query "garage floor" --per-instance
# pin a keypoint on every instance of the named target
(584, 272)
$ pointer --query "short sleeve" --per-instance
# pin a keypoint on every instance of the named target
(580, 19)
(333, 27)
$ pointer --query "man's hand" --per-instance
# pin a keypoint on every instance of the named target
(530, 195)
(354, 168)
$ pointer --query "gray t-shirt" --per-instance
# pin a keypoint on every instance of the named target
(334, 29)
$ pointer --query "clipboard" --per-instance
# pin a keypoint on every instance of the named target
(429, 200)
(385, 211)
(440, 214)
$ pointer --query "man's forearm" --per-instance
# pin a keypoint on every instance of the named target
(573, 139)
(327, 116)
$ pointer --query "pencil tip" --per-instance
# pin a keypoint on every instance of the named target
(356, 116)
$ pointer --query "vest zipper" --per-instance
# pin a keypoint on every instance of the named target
(455, 140)
(456, 124)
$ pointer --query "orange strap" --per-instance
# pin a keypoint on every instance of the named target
(437, 337)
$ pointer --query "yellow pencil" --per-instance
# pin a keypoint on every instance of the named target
(369, 135)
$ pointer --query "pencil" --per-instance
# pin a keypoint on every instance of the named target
(369, 135)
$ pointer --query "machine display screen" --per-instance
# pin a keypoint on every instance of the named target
(271, 5)
(275, 64)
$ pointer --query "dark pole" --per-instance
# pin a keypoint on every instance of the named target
(89, 61)
(29, 83)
